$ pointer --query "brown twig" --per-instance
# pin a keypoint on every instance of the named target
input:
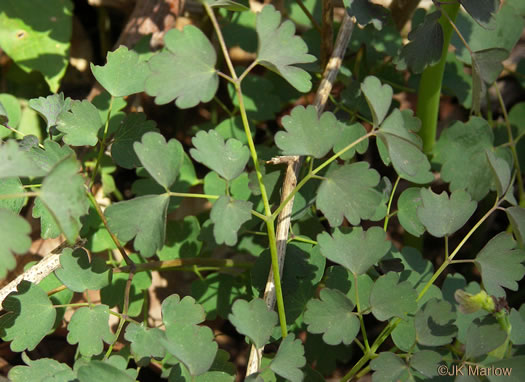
(292, 171)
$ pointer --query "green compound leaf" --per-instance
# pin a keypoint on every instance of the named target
(10, 112)
(79, 274)
(483, 336)
(142, 218)
(501, 170)
(350, 134)
(254, 320)
(12, 186)
(63, 193)
(132, 129)
(52, 153)
(332, 316)
(279, 49)
(90, 342)
(192, 345)
(516, 216)
(461, 150)
(389, 367)
(500, 264)
(404, 148)
(48, 226)
(289, 359)
(308, 134)
(16, 162)
(425, 46)
(357, 250)
(145, 342)
(227, 159)
(407, 204)
(504, 33)
(29, 311)
(36, 34)
(182, 312)
(442, 216)
(348, 191)
(123, 74)
(488, 63)
(102, 371)
(435, 323)
(391, 298)
(186, 71)
(81, 124)
(162, 160)
(41, 370)
(426, 362)
(14, 236)
(228, 215)
(481, 10)
(51, 107)
(378, 97)
(367, 12)
(517, 323)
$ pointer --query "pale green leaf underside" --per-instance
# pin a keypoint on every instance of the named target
(253, 319)
(81, 124)
(348, 192)
(228, 158)
(308, 134)
(28, 303)
(162, 160)
(123, 74)
(14, 236)
(64, 194)
(332, 316)
(442, 216)
(90, 342)
(500, 264)
(357, 250)
(289, 359)
(228, 215)
(279, 48)
(186, 71)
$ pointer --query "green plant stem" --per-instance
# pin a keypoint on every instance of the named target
(213, 19)
(190, 195)
(166, 265)
(512, 145)
(385, 226)
(19, 195)
(102, 145)
(430, 84)
(318, 169)
(309, 15)
(121, 249)
(19, 133)
(264, 196)
(361, 321)
(302, 239)
(389, 328)
(247, 70)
